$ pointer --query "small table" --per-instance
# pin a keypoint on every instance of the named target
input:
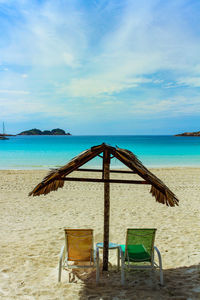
(110, 247)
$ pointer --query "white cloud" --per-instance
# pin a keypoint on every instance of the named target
(23, 108)
(100, 85)
(14, 92)
(174, 106)
(56, 54)
(45, 35)
(190, 81)
(158, 81)
(146, 39)
(69, 59)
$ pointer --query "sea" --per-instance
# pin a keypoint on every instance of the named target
(46, 152)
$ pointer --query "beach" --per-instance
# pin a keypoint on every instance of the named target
(31, 235)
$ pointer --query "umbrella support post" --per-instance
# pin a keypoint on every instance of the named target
(106, 175)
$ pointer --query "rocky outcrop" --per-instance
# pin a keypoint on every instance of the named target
(197, 133)
(35, 131)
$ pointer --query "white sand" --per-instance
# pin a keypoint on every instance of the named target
(31, 235)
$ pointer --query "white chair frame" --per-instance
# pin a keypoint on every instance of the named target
(63, 261)
(153, 265)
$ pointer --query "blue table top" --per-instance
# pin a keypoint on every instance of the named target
(110, 246)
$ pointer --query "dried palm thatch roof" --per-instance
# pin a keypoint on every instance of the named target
(56, 178)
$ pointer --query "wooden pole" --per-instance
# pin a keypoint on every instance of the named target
(106, 175)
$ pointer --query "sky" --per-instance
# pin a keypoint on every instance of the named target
(100, 67)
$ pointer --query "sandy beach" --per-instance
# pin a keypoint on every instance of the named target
(31, 235)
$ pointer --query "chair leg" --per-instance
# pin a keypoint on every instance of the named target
(161, 277)
(60, 264)
(60, 270)
(97, 265)
(122, 267)
(160, 266)
(118, 258)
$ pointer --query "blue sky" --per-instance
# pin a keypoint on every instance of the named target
(100, 67)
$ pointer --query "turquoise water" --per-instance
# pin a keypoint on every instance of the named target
(41, 152)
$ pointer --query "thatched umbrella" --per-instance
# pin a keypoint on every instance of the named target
(56, 178)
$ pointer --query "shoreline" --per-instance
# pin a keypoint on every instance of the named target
(113, 167)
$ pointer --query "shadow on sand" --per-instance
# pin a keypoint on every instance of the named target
(180, 284)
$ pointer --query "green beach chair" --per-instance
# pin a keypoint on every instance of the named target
(139, 251)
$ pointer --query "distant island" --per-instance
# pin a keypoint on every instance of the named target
(35, 131)
(197, 133)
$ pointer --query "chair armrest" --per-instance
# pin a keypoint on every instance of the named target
(160, 265)
(62, 251)
(61, 256)
(120, 251)
(159, 255)
(94, 255)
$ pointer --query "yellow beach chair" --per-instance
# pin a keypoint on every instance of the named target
(78, 248)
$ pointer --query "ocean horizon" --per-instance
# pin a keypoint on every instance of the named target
(44, 152)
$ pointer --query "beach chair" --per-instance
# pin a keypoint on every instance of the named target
(78, 248)
(139, 251)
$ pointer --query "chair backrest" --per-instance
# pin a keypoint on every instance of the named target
(139, 244)
(79, 244)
